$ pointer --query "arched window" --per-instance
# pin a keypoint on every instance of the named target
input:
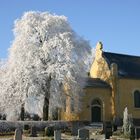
(137, 99)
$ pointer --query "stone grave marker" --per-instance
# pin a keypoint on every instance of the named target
(108, 130)
(57, 135)
(137, 133)
(33, 132)
(83, 134)
(49, 131)
(74, 128)
(18, 134)
(26, 127)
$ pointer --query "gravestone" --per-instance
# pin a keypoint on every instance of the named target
(132, 133)
(33, 132)
(108, 130)
(18, 134)
(49, 131)
(83, 134)
(137, 133)
(116, 122)
(26, 127)
(4, 117)
(74, 128)
(57, 135)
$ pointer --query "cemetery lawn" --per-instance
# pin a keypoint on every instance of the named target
(6, 135)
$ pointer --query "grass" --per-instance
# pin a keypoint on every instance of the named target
(6, 134)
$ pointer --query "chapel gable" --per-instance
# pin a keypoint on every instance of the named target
(99, 67)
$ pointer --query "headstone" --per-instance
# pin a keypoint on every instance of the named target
(137, 133)
(18, 134)
(108, 130)
(57, 135)
(33, 132)
(4, 117)
(49, 131)
(132, 133)
(26, 127)
(83, 134)
(115, 123)
(74, 128)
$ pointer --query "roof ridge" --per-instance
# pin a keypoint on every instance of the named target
(121, 54)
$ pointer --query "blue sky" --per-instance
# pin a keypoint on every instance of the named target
(114, 22)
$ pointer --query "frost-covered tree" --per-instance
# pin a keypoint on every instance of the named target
(45, 56)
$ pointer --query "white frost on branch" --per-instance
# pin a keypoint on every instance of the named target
(45, 45)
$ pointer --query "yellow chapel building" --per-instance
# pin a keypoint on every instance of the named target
(113, 84)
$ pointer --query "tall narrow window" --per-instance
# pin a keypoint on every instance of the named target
(137, 99)
(72, 104)
(64, 105)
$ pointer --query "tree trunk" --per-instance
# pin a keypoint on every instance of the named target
(45, 109)
(46, 100)
(22, 113)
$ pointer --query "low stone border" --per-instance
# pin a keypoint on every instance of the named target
(7, 126)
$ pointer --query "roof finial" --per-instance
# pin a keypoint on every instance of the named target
(99, 46)
(99, 50)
